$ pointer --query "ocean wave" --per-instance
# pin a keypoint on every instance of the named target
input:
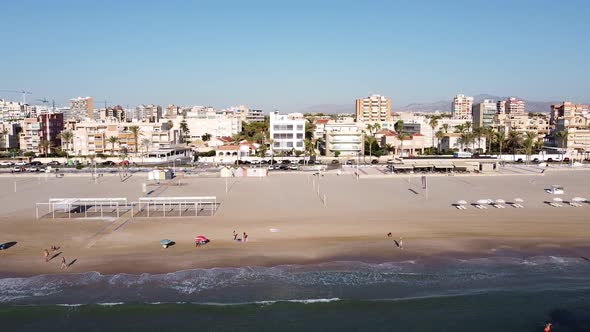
(307, 283)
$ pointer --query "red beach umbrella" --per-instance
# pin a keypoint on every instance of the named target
(201, 238)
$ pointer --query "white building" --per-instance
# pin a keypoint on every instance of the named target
(216, 125)
(345, 137)
(461, 107)
(515, 106)
(287, 131)
(483, 113)
(10, 110)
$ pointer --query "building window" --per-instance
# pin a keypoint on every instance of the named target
(299, 144)
(299, 136)
(299, 127)
(289, 144)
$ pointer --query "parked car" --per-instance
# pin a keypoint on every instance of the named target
(284, 167)
(109, 163)
(536, 160)
(20, 163)
(35, 163)
(294, 167)
(32, 169)
(17, 169)
(6, 163)
(53, 163)
(566, 160)
(374, 161)
(519, 160)
(349, 162)
(549, 160)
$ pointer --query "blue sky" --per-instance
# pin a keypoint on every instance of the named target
(288, 55)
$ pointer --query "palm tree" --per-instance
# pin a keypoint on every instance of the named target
(460, 128)
(477, 134)
(501, 139)
(489, 134)
(528, 144)
(399, 126)
(468, 126)
(236, 138)
(514, 141)
(439, 136)
(135, 131)
(66, 137)
(445, 127)
(433, 124)
(113, 140)
(370, 129)
(3, 138)
(184, 131)
(146, 143)
(309, 147)
(561, 137)
(206, 137)
(45, 145)
(402, 136)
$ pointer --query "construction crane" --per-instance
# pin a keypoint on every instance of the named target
(24, 93)
(44, 100)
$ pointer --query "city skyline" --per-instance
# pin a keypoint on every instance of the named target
(293, 57)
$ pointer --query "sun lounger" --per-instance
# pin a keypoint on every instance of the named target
(499, 206)
(514, 205)
(520, 206)
(555, 205)
(572, 204)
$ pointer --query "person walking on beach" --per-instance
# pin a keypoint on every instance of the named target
(46, 253)
(64, 265)
(401, 243)
(245, 237)
(389, 234)
(235, 236)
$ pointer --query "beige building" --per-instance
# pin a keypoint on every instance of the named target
(345, 137)
(92, 137)
(567, 110)
(374, 108)
(82, 106)
(514, 106)
(411, 145)
(523, 123)
(461, 107)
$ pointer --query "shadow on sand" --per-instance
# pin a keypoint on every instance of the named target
(7, 245)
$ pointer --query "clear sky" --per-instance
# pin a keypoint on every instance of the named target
(288, 55)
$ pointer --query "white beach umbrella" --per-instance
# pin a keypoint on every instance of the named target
(500, 201)
(557, 199)
(579, 199)
(461, 202)
(483, 201)
(519, 200)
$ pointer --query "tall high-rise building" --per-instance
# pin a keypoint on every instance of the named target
(461, 107)
(374, 108)
(515, 106)
(501, 107)
(82, 105)
(483, 113)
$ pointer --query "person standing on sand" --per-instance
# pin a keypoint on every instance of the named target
(245, 237)
(389, 234)
(64, 265)
(401, 243)
(46, 253)
(235, 235)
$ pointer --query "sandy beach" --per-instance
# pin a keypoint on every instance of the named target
(351, 226)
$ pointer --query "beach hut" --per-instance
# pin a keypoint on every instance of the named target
(226, 172)
(239, 172)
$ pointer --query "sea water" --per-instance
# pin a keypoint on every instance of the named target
(478, 294)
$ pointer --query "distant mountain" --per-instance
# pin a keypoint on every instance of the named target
(445, 105)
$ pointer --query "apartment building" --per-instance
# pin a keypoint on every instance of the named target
(574, 120)
(10, 137)
(287, 132)
(374, 108)
(461, 107)
(567, 110)
(345, 137)
(483, 113)
(45, 127)
(81, 107)
(93, 137)
(116, 112)
(12, 111)
(201, 123)
(405, 146)
(515, 106)
(150, 113)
